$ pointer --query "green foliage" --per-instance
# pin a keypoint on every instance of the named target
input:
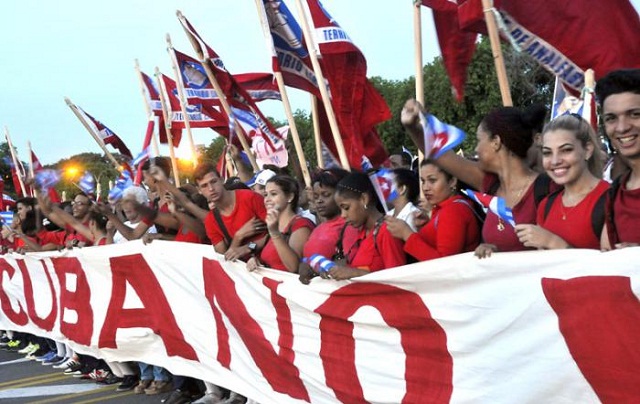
(75, 166)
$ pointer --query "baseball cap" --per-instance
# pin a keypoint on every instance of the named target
(261, 178)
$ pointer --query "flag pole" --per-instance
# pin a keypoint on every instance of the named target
(587, 98)
(166, 111)
(498, 59)
(285, 99)
(14, 159)
(76, 112)
(417, 40)
(316, 130)
(182, 97)
(222, 97)
(154, 139)
(31, 170)
(333, 123)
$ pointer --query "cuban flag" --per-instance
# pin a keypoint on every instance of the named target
(47, 179)
(495, 204)
(439, 137)
(141, 157)
(6, 217)
(123, 182)
(383, 182)
(319, 263)
(87, 183)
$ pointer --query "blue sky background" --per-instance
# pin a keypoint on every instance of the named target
(85, 50)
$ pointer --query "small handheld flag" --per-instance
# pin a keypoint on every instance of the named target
(319, 263)
(123, 182)
(439, 137)
(6, 217)
(87, 183)
(383, 182)
(495, 204)
(47, 179)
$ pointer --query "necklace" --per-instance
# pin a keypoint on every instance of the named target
(526, 185)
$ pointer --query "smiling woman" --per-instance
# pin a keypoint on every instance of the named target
(573, 216)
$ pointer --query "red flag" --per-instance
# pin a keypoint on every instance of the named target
(357, 104)
(456, 46)
(235, 94)
(567, 37)
(36, 166)
(107, 135)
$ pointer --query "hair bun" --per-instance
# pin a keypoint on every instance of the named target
(533, 116)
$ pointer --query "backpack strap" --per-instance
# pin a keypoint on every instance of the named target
(376, 230)
(339, 254)
(598, 214)
(223, 228)
(612, 232)
(547, 206)
(541, 186)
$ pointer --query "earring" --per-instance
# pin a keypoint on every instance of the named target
(365, 206)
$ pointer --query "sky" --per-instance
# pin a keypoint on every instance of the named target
(85, 50)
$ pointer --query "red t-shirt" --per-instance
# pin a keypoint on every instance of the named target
(44, 237)
(524, 212)
(248, 204)
(453, 229)
(626, 212)
(188, 236)
(573, 224)
(72, 234)
(325, 237)
(372, 255)
(269, 254)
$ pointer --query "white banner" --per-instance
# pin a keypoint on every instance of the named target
(555, 326)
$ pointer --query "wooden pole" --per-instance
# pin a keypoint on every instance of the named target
(333, 123)
(417, 41)
(32, 173)
(166, 111)
(494, 38)
(14, 159)
(95, 136)
(316, 130)
(150, 114)
(589, 86)
(221, 96)
(183, 99)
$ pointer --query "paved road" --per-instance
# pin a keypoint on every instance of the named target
(24, 381)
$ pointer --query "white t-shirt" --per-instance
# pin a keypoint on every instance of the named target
(119, 238)
(406, 214)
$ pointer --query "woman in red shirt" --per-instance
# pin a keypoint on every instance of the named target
(288, 232)
(569, 218)
(504, 138)
(375, 249)
(453, 228)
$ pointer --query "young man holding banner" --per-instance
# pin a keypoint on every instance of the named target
(619, 95)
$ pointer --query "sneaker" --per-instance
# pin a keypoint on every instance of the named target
(37, 354)
(83, 371)
(66, 364)
(177, 397)
(74, 368)
(13, 344)
(53, 361)
(158, 387)
(46, 357)
(142, 386)
(210, 398)
(99, 375)
(28, 348)
(128, 383)
(4, 341)
(111, 379)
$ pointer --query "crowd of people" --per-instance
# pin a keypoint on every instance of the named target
(270, 220)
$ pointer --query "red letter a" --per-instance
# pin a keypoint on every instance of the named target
(156, 314)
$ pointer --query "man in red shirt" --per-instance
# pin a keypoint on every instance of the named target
(619, 95)
(235, 225)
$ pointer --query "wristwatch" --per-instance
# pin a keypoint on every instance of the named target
(252, 247)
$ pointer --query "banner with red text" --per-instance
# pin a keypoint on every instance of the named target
(553, 326)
